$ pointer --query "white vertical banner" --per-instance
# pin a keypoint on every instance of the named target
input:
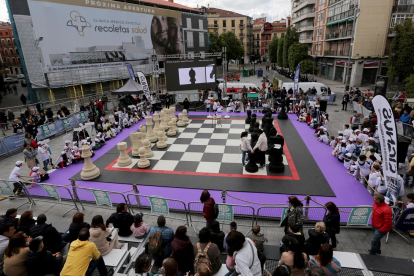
(143, 80)
(387, 132)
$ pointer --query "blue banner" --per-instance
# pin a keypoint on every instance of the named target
(59, 126)
(15, 142)
(130, 70)
(3, 149)
(296, 80)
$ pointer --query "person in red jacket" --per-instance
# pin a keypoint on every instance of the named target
(208, 209)
(381, 223)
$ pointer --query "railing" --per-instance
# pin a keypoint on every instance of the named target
(242, 25)
(346, 33)
(336, 53)
(403, 8)
(340, 16)
(241, 34)
(213, 25)
(7, 188)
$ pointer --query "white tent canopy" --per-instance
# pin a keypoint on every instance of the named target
(131, 87)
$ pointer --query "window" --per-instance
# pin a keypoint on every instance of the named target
(257, 36)
(190, 40)
(321, 2)
(241, 41)
(233, 23)
(241, 22)
(215, 23)
(188, 23)
(5, 51)
(201, 39)
(224, 31)
(200, 24)
(14, 60)
(320, 16)
(1, 33)
(319, 32)
(257, 43)
(282, 35)
(399, 19)
(233, 31)
(224, 23)
(7, 33)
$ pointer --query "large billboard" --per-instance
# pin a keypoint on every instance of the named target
(82, 34)
(190, 74)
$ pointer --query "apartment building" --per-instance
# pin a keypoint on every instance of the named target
(280, 26)
(257, 28)
(221, 21)
(8, 49)
(303, 18)
(321, 12)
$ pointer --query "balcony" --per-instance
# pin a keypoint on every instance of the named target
(242, 25)
(306, 39)
(340, 53)
(303, 3)
(331, 2)
(304, 28)
(213, 25)
(241, 34)
(340, 35)
(302, 16)
(403, 9)
(342, 15)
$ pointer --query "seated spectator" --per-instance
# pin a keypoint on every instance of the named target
(182, 250)
(76, 225)
(326, 261)
(169, 268)
(211, 249)
(51, 237)
(316, 271)
(217, 236)
(104, 238)
(26, 222)
(247, 261)
(40, 262)
(79, 257)
(317, 237)
(6, 232)
(233, 227)
(16, 253)
(17, 127)
(139, 228)
(10, 217)
(122, 220)
(161, 237)
(142, 265)
(295, 258)
(293, 232)
(259, 240)
(282, 270)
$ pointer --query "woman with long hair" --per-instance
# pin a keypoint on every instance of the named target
(208, 209)
(326, 261)
(77, 224)
(245, 146)
(294, 214)
(182, 251)
(170, 267)
(332, 221)
(26, 221)
(16, 253)
(295, 258)
(104, 238)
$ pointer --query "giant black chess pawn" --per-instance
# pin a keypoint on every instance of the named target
(276, 160)
(254, 139)
(267, 126)
(280, 140)
(282, 114)
(256, 127)
(253, 120)
(272, 130)
(271, 141)
(249, 117)
(251, 166)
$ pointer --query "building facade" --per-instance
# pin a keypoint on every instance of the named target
(303, 18)
(8, 49)
(280, 26)
(221, 21)
(257, 28)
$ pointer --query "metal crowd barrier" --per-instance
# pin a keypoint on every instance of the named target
(360, 108)
(7, 187)
(243, 215)
(155, 206)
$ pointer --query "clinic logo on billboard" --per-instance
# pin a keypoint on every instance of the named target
(78, 22)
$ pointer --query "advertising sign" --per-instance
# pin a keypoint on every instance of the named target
(59, 126)
(83, 116)
(387, 131)
(105, 32)
(46, 131)
(406, 220)
(159, 205)
(51, 191)
(5, 188)
(360, 216)
(102, 198)
(282, 217)
(3, 149)
(14, 142)
(66, 123)
(143, 81)
(296, 80)
(225, 213)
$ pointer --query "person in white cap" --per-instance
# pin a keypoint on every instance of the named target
(35, 176)
(125, 123)
(350, 147)
(15, 178)
(323, 137)
(348, 160)
(44, 155)
(230, 106)
(363, 170)
(374, 174)
(118, 127)
(75, 146)
(364, 136)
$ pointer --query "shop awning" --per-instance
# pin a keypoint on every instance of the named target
(337, 22)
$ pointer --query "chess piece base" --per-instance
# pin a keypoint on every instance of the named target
(143, 164)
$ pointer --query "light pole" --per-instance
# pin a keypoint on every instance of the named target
(154, 71)
(224, 49)
(348, 65)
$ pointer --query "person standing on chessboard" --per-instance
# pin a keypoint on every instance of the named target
(262, 146)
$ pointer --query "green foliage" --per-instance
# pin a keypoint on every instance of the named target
(275, 83)
(409, 83)
(214, 42)
(401, 60)
(280, 52)
(308, 67)
(234, 48)
(291, 37)
(273, 46)
(297, 52)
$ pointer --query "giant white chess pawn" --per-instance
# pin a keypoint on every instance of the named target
(143, 130)
(148, 151)
(185, 118)
(162, 122)
(166, 119)
(136, 142)
(172, 110)
(150, 133)
(161, 142)
(180, 122)
(174, 123)
(143, 161)
(89, 171)
(171, 131)
(157, 122)
(162, 129)
(124, 159)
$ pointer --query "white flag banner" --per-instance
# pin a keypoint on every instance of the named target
(387, 132)
(143, 80)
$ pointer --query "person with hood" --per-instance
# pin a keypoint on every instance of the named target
(51, 237)
(182, 250)
(41, 262)
(217, 236)
(76, 225)
(104, 238)
(317, 237)
(208, 209)
(122, 220)
(83, 257)
(259, 240)
(332, 221)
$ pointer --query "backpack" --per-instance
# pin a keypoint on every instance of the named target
(202, 258)
(155, 245)
(216, 210)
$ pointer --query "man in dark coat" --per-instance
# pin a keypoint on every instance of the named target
(122, 220)
(42, 262)
(51, 237)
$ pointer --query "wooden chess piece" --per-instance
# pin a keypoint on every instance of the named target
(124, 159)
(150, 133)
(171, 131)
(89, 171)
(135, 138)
(148, 152)
(161, 142)
(172, 110)
(143, 161)
(180, 122)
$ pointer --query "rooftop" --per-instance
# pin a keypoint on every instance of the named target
(167, 5)
(222, 13)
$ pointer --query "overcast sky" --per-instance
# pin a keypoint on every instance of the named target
(272, 9)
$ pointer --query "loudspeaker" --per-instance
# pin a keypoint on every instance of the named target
(381, 85)
(161, 64)
(402, 148)
(323, 106)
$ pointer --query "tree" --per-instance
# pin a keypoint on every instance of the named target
(280, 52)
(308, 67)
(234, 48)
(214, 42)
(273, 46)
(297, 52)
(409, 83)
(401, 60)
(291, 37)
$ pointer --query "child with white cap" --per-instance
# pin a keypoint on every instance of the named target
(118, 127)
(347, 131)
(44, 155)
(125, 122)
(15, 178)
(350, 147)
(347, 160)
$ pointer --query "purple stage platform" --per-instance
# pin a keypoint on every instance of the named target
(348, 191)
